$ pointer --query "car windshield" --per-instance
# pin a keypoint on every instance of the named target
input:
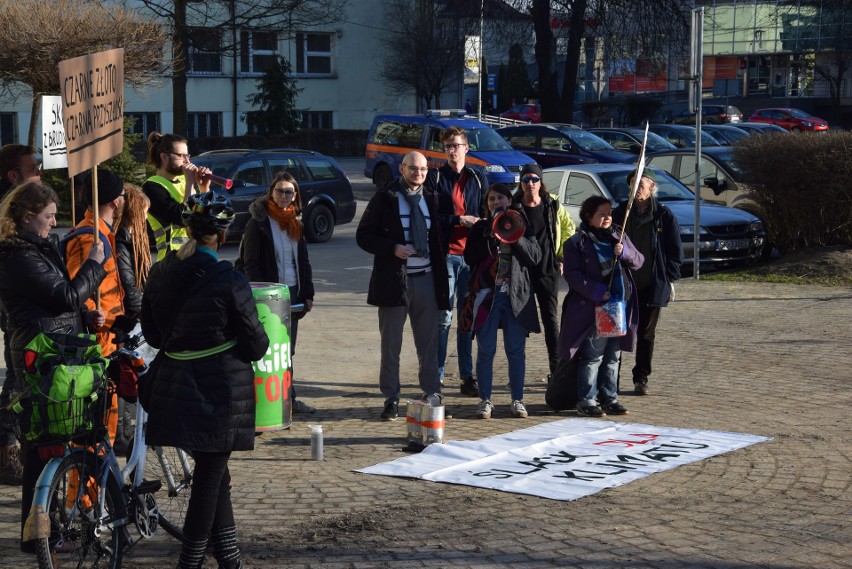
(657, 142)
(796, 113)
(587, 140)
(220, 167)
(667, 187)
(486, 140)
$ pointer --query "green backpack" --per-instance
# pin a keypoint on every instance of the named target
(67, 378)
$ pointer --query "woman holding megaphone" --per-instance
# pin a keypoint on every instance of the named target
(501, 250)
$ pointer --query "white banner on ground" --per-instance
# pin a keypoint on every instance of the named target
(564, 460)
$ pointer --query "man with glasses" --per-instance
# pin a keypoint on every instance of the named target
(18, 164)
(552, 226)
(400, 229)
(169, 188)
(459, 191)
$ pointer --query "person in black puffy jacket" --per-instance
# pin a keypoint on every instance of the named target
(202, 397)
(37, 294)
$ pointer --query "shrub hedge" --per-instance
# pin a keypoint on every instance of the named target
(803, 183)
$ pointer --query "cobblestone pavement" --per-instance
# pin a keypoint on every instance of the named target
(771, 360)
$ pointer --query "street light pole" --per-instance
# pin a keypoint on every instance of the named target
(481, 59)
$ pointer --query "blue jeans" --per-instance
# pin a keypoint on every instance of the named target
(514, 343)
(459, 274)
(597, 374)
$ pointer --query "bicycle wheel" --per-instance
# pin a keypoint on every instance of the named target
(82, 534)
(175, 468)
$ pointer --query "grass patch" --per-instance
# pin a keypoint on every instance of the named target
(829, 266)
(756, 276)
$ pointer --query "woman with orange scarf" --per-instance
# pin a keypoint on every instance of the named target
(274, 250)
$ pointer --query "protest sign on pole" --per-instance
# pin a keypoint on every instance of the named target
(54, 153)
(92, 107)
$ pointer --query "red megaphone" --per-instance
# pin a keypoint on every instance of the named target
(508, 226)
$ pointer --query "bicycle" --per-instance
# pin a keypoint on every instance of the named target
(86, 505)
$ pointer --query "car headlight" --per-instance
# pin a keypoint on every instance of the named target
(756, 227)
(494, 168)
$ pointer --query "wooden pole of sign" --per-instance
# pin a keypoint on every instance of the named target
(97, 233)
(73, 205)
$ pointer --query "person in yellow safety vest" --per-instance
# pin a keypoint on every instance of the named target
(169, 189)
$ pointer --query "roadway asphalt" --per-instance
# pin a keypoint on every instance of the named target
(763, 359)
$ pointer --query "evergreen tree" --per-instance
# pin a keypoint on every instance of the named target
(515, 84)
(276, 99)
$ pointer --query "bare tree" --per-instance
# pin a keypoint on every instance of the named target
(38, 34)
(627, 25)
(227, 18)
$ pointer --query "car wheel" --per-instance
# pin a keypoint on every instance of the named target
(319, 224)
(382, 176)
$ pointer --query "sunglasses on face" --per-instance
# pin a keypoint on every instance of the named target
(533, 179)
(287, 193)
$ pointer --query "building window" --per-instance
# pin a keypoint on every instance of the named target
(144, 123)
(316, 119)
(8, 128)
(204, 51)
(258, 51)
(199, 125)
(313, 54)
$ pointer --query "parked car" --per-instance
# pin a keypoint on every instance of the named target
(721, 177)
(556, 144)
(726, 134)
(726, 235)
(523, 112)
(760, 128)
(682, 136)
(630, 139)
(391, 137)
(327, 198)
(711, 114)
(794, 120)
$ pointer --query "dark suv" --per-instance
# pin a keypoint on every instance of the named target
(327, 198)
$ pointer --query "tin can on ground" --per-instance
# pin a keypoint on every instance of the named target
(425, 424)
(273, 374)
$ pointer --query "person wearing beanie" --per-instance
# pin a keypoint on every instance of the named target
(552, 227)
(79, 241)
(655, 232)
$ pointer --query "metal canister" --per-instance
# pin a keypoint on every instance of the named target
(273, 374)
(425, 423)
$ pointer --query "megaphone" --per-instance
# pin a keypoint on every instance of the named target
(508, 226)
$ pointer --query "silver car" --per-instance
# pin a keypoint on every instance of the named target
(726, 235)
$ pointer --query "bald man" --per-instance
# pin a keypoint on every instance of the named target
(400, 229)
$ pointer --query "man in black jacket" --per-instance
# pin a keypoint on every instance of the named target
(654, 231)
(459, 189)
(399, 228)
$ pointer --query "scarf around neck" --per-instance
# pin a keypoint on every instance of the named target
(286, 218)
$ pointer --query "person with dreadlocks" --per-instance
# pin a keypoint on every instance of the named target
(134, 255)
(134, 262)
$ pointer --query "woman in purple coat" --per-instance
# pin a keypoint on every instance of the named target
(590, 257)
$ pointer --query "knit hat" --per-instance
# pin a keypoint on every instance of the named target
(531, 168)
(110, 187)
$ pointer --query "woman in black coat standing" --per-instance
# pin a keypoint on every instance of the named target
(274, 250)
(202, 398)
(37, 294)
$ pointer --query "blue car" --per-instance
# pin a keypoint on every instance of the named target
(391, 137)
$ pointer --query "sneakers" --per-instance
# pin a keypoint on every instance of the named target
(614, 408)
(469, 387)
(590, 411)
(302, 407)
(640, 387)
(391, 411)
(484, 410)
(518, 409)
